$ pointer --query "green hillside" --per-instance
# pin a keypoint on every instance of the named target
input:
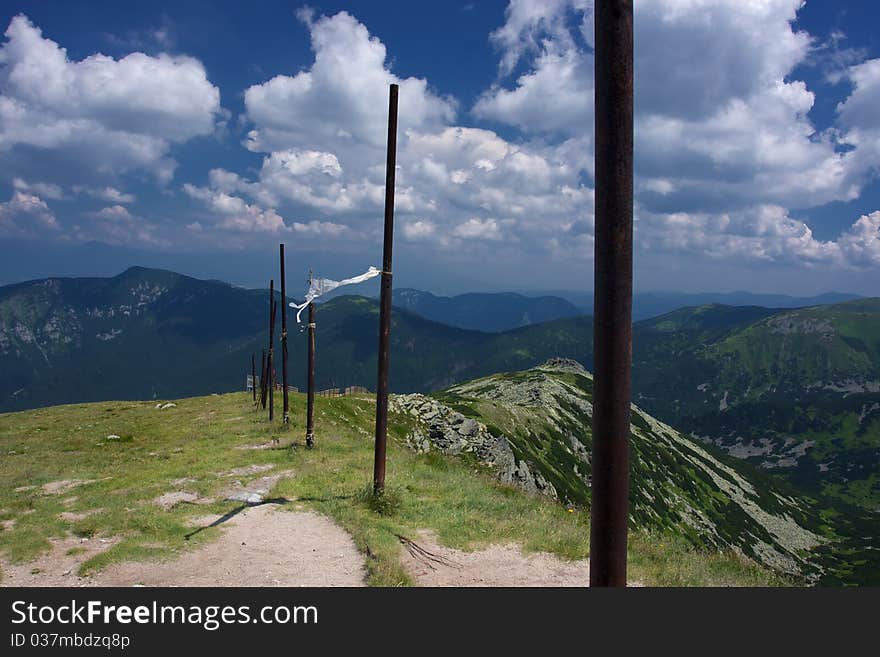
(796, 392)
(96, 471)
(677, 484)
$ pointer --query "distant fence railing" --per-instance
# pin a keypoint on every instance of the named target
(329, 392)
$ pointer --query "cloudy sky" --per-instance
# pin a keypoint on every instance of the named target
(197, 136)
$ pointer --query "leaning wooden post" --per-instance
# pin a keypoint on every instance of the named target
(271, 372)
(310, 404)
(385, 301)
(254, 376)
(612, 313)
(286, 417)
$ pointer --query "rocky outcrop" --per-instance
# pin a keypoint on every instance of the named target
(450, 432)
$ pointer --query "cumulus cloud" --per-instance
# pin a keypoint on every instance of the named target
(480, 229)
(26, 215)
(112, 115)
(724, 142)
(108, 194)
(232, 213)
(116, 225)
(323, 133)
(765, 233)
(47, 190)
(339, 98)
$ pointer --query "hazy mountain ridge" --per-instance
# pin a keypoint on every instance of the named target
(652, 304)
(493, 312)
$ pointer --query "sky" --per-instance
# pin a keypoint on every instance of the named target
(197, 136)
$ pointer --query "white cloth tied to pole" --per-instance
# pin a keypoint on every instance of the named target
(320, 286)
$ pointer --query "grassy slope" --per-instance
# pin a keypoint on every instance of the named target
(199, 439)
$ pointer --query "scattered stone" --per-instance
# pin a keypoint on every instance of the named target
(169, 500)
(113, 436)
(256, 491)
(247, 470)
(251, 499)
(76, 516)
(64, 485)
(22, 489)
(168, 405)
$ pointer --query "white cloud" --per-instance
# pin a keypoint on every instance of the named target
(116, 225)
(232, 213)
(109, 194)
(419, 230)
(765, 233)
(47, 190)
(112, 115)
(26, 215)
(724, 142)
(341, 98)
(479, 229)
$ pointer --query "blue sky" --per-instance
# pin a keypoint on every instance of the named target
(198, 135)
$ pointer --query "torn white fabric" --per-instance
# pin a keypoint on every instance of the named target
(321, 286)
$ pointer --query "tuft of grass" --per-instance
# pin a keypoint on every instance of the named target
(383, 503)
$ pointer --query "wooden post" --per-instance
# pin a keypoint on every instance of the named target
(254, 376)
(286, 416)
(263, 380)
(272, 361)
(310, 407)
(385, 300)
(268, 378)
(612, 313)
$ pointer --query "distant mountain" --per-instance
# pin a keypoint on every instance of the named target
(151, 334)
(795, 392)
(491, 312)
(652, 304)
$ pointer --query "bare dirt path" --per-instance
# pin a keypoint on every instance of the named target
(431, 564)
(260, 546)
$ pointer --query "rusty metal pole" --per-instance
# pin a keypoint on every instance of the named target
(612, 312)
(310, 403)
(385, 300)
(271, 361)
(254, 376)
(286, 407)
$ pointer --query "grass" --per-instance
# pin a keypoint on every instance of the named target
(203, 437)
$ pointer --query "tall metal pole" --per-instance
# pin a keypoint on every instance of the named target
(286, 417)
(385, 300)
(254, 376)
(612, 312)
(310, 404)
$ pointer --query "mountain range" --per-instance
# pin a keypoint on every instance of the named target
(652, 304)
(795, 392)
